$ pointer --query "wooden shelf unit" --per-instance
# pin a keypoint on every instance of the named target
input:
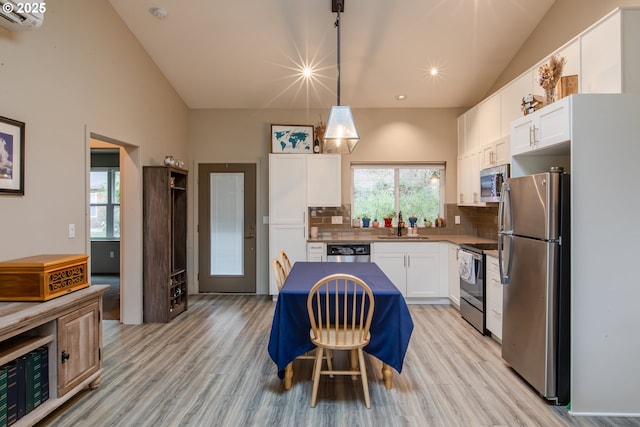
(26, 326)
(165, 293)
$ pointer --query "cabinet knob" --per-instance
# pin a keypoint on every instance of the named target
(64, 357)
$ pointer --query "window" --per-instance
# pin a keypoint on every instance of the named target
(105, 203)
(382, 190)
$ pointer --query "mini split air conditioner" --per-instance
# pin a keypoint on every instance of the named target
(21, 16)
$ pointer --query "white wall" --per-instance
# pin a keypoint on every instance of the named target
(242, 136)
(82, 72)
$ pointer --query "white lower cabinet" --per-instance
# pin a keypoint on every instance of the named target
(413, 267)
(494, 298)
(454, 276)
(316, 252)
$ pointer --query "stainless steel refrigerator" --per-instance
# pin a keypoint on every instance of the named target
(533, 252)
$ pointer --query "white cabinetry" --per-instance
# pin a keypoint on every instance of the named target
(469, 178)
(494, 298)
(454, 276)
(413, 267)
(316, 252)
(495, 153)
(297, 181)
(609, 54)
(323, 180)
(482, 123)
(287, 209)
(549, 126)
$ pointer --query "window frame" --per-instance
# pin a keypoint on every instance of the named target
(396, 166)
(110, 204)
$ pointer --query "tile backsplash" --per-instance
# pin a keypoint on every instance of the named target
(474, 221)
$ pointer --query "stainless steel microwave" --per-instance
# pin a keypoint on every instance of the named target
(491, 180)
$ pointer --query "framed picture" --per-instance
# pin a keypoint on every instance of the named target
(292, 139)
(11, 156)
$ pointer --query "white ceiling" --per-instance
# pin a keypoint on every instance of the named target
(246, 53)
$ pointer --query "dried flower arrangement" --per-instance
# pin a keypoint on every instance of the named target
(319, 128)
(549, 75)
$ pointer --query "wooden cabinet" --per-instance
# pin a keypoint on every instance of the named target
(324, 180)
(454, 276)
(547, 127)
(78, 345)
(316, 252)
(165, 292)
(413, 267)
(70, 328)
(494, 298)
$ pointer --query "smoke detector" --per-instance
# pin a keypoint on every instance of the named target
(159, 12)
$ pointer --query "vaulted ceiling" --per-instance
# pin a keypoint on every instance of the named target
(250, 53)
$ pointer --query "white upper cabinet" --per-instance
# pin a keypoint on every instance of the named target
(287, 188)
(547, 127)
(324, 180)
(601, 57)
(495, 153)
(482, 123)
(511, 100)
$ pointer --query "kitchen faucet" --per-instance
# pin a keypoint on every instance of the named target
(400, 223)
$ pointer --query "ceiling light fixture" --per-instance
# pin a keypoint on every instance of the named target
(401, 97)
(341, 134)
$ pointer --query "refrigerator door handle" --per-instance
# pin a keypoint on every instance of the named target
(505, 195)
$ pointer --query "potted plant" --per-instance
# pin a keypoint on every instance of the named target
(365, 221)
(427, 223)
(375, 223)
(412, 220)
(389, 218)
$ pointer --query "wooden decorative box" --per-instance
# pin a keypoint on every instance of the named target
(42, 277)
(567, 86)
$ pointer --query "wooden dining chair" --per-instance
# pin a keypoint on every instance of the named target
(286, 263)
(340, 308)
(279, 272)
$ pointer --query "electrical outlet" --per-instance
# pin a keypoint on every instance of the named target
(72, 231)
(456, 219)
(336, 219)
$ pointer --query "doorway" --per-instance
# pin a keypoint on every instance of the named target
(227, 227)
(104, 223)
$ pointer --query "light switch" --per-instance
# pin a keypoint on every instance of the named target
(456, 219)
(72, 231)
(336, 219)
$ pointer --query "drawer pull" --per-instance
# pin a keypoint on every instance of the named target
(64, 357)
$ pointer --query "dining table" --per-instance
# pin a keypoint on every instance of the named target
(391, 324)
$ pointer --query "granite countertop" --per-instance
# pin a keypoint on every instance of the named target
(367, 236)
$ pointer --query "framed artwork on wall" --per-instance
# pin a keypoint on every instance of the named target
(11, 156)
(292, 139)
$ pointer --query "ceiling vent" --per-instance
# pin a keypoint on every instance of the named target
(21, 16)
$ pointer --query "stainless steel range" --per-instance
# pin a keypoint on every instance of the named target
(472, 269)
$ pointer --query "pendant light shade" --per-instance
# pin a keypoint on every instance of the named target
(341, 134)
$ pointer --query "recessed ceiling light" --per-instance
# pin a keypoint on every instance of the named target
(159, 12)
(401, 97)
(434, 71)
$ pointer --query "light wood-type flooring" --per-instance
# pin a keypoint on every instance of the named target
(210, 367)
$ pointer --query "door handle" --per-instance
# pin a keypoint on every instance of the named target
(250, 236)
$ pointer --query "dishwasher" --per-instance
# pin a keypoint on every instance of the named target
(349, 252)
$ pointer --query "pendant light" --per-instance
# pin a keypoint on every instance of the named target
(341, 134)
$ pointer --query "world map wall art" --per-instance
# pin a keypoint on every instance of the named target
(292, 139)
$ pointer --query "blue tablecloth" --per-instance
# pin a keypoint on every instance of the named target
(391, 325)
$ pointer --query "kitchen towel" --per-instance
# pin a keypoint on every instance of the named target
(466, 267)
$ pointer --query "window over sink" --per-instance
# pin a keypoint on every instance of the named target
(412, 188)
